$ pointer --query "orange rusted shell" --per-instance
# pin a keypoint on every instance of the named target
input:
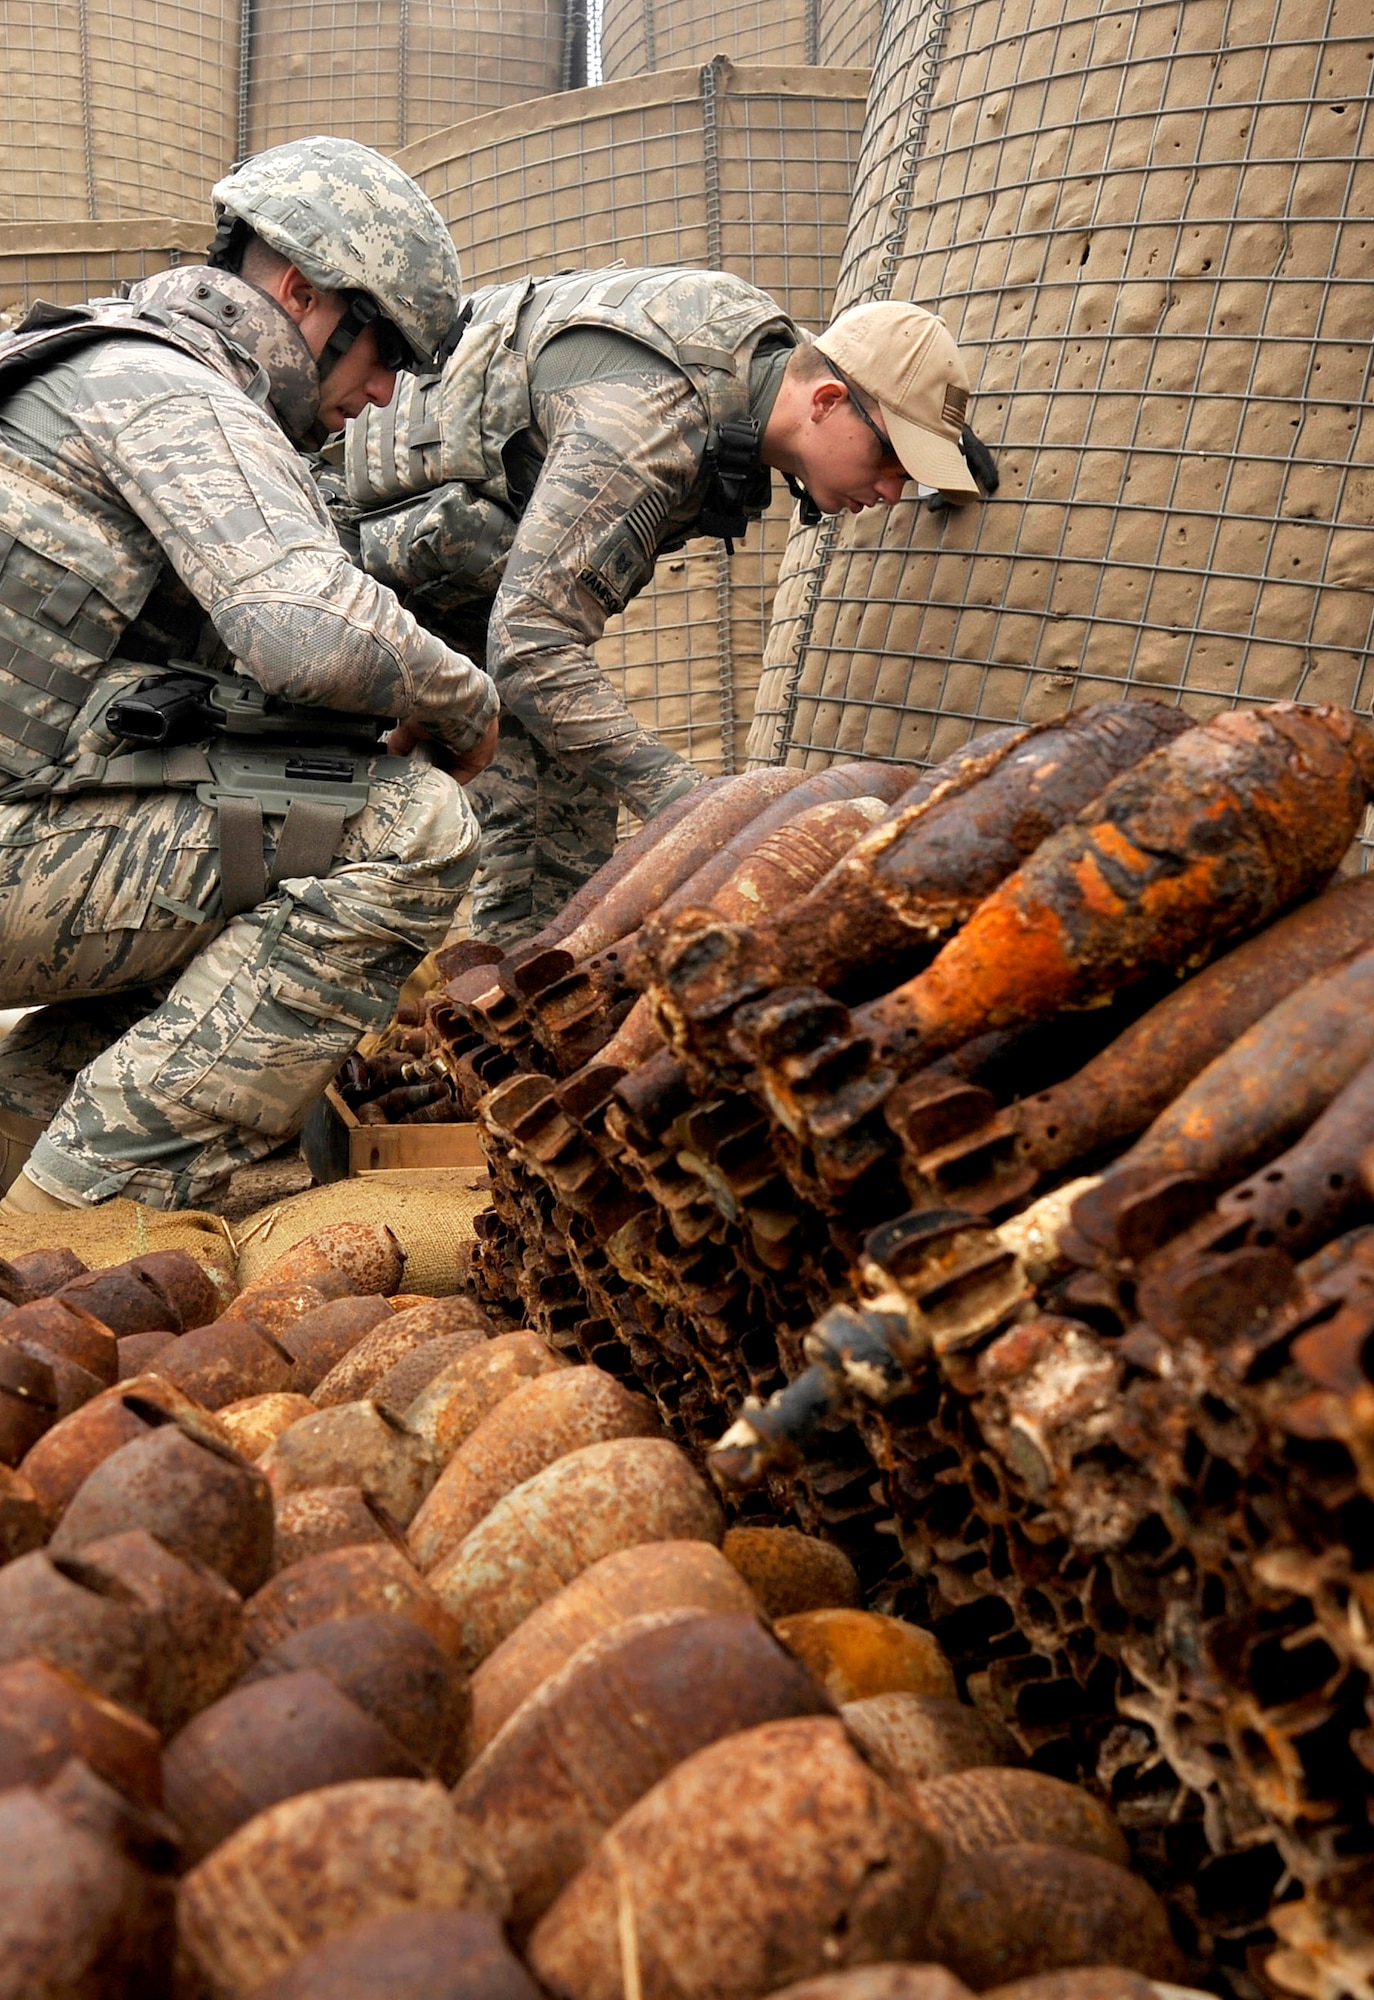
(1087, 1982)
(79, 1917)
(273, 1308)
(194, 1622)
(1011, 1912)
(138, 1351)
(60, 1462)
(65, 1611)
(453, 1403)
(323, 1337)
(768, 1856)
(418, 1954)
(624, 1711)
(64, 1329)
(368, 1254)
(394, 1671)
(224, 1362)
(28, 1401)
(197, 1496)
(343, 1584)
(407, 1378)
(42, 1272)
(389, 1343)
(122, 1300)
(319, 1518)
(455, 1313)
(48, 1715)
(255, 1421)
(266, 1742)
(913, 1737)
(880, 1982)
(858, 1653)
(22, 1523)
(183, 1283)
(989, 1806)
(790, 1572)
(539, 1422)
(651, 1577)
(358, 1443)
(587, 1505)
(315, 1865)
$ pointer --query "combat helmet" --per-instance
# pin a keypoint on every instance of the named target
(353, 222)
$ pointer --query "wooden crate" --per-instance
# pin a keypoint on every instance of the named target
(337, 1147)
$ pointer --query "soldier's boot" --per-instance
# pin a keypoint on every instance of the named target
(25, 1197)
(17, 1137)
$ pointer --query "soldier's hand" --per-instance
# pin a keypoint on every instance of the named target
(473, 762)
(462, 765)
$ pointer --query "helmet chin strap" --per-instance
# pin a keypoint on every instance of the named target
(360, 312)
(810, 513)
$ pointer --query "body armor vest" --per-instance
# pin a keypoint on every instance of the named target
(455, 426)
(73, 577)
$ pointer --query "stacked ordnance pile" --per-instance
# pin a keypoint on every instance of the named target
(969, 1164)
(353, 1647)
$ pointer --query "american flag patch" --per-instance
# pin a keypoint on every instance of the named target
(956, 405)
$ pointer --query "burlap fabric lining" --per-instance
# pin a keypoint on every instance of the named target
(431, 1212)
(117, 1230)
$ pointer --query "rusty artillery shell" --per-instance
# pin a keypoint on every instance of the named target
(344, 1583)
(423, 1954)
(48, 1715)
(1205, 839)
(912, 1737)
(406, 1379)
(622, 1713)
(662, 869)
(317, 1864)
(881, 1982)
(273, 1308)
(265, 1742)
(765, 1857)
(789, 1571)
(650, 1578)
(323, 1337)
(65, 1611)
(138, 1351)
(356, 1443)
(367, 1254)
(122, 1300)
(972, 1810)
(1012, 1912)
(63, 1330)
(185, 1285)
(79, 1918)
(28, 1401)
(451, 1406)
(43, 1272)
(858, 1653)
(1086, 1982)
(394, 1671)
(1137, 1076)
(598, 1499)
(197, 1496)
(224, 1362)
(320, 1518)
(253, 1423)
(195, 1622)
(358, 1373)
(23, 1525)
(59, 1463)
(539, 1422)
(1309, 1193)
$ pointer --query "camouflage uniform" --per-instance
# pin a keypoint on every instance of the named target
(568, 443)
(144, 480)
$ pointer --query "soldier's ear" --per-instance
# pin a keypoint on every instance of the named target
(826, 396)
(294, 292)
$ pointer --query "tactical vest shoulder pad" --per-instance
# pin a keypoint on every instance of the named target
(48, 334)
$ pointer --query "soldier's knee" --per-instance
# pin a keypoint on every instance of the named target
(419, 821)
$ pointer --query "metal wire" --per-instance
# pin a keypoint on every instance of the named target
(638, 36)
(68, 262)
(1146, 228)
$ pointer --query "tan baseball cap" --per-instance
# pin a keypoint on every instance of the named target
(906, 359)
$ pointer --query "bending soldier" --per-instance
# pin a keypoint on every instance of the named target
(208, 863)
(584, 425)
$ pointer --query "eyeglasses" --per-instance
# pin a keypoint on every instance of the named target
(393, 349)
(854, 395)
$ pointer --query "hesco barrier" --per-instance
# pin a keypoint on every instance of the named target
(390, 71)
(640, 35)
(1148, 230)
(67, 262)
(744, 169)
(116, 110)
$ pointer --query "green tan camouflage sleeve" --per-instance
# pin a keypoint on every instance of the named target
(233, 507)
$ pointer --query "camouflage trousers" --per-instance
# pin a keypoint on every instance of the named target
(171, 1047)
(545, 831)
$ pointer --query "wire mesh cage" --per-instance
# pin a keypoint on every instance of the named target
(67, 262)
(1147, 228)
(389, 72)
(642, 35)
(115, 110)
(745, 170)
